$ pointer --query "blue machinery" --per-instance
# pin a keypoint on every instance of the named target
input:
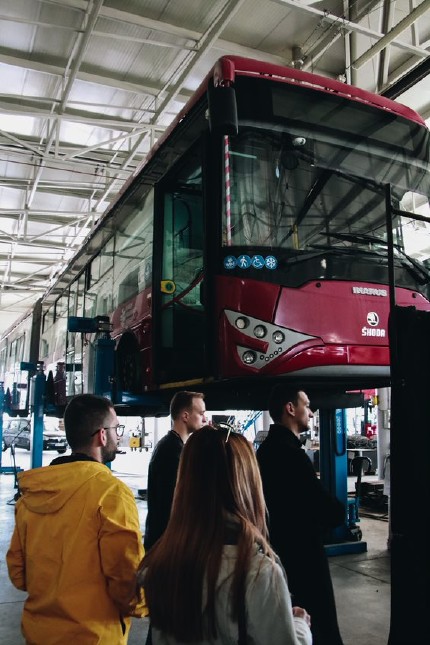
(37, 389)
(334, 475)
(3, 469)
(102, 379)
(104, 346)
(103, 371)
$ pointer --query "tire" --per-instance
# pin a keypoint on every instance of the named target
(62, 451)
(128, 364)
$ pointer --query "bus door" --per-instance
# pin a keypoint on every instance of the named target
(180, 322)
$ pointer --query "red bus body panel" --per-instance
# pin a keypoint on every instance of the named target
(340, 327)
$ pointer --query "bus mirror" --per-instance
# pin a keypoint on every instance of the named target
(168, 287)
(222, 110)
(79, 324)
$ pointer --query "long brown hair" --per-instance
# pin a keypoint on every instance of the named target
(218, 487)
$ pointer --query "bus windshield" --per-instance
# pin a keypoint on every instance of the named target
(307, 166)
(294, 192)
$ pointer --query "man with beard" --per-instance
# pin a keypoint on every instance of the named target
(77, 541)
(300, 511)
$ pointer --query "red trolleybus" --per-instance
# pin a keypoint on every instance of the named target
(253, 244)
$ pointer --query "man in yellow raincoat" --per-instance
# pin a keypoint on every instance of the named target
(77, 541)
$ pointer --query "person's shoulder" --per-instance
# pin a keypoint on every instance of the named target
(275, 439)
(265, 568)
(165, 441)
(169, 444)
(103, 474)
(114, 485)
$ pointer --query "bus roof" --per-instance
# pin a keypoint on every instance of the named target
(227, 68)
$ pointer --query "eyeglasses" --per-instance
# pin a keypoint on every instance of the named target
(119, 430)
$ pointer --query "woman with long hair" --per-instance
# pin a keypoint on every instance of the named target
(212, 577)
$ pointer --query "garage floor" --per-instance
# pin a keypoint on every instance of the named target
(361, 581)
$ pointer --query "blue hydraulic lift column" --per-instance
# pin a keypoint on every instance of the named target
(3, 469)
(334, 476)
(1, 417)
(104, 367)
(38, 382)
(104, 353)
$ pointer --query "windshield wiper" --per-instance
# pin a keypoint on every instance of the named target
(342, 250)
(420, 273)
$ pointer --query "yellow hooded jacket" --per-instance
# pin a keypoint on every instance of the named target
(75, 549)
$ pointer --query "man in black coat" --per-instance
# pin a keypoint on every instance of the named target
(300, 511)
(188, 413)
(187, 410)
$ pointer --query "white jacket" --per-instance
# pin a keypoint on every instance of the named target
(268, 609)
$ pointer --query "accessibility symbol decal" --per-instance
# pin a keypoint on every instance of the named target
(257, 261)
(245, 262)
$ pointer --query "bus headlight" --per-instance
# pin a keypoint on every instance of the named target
(260, 331)
(278, 337)
(242, 322)
(249, 357)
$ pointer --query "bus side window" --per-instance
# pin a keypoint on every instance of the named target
(133, 250)
(98, 298)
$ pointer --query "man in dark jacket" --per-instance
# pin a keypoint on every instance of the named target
(187, 410)
(300, 511)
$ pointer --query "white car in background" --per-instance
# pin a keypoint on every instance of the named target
(17, 432)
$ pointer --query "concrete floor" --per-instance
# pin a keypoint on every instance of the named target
(361, 581)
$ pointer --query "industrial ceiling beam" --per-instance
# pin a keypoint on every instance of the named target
(29, 259)
(388, 15)
(99, 158)
(350, 26)
(44, 217)
(32, 244)
(33, 102)
(18, 107)
(7, 57)
(57, 189)
(184, 68)
(389, 38)
(124, 137)
(407, 81)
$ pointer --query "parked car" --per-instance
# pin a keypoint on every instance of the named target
(18, 432)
